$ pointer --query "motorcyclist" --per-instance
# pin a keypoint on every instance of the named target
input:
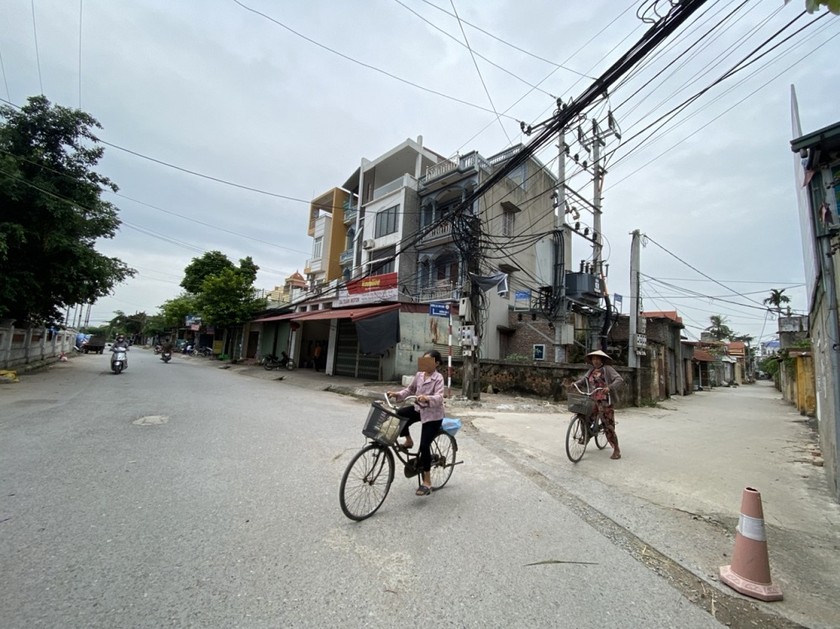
(166, 348)
(120, 344)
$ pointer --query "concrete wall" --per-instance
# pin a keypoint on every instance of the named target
(29, 346)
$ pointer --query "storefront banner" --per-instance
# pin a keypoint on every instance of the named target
(368, 290)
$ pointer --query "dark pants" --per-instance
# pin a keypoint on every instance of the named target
(427, 436)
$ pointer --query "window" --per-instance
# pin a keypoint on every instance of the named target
(508, 223)
(387, 221)
(388, 264)
(316, 248)
(539, 352)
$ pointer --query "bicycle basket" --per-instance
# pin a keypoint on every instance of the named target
(581, 404)
(383, 426)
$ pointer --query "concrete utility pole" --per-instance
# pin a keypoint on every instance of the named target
(560, 252)
(597, 187)
(635, 255)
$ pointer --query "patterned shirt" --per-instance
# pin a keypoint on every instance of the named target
(432, 387)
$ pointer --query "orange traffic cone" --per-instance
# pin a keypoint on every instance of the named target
(749, 572)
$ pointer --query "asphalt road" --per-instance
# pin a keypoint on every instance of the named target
(182, 495)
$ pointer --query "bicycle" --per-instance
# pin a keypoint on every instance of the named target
(584, 425)
(368, 477)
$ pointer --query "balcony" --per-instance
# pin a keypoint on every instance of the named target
(314, 265)
(406, 181)
(441, 232)
(350, 215)
(345, 257)
(445, 173)
(441, 291)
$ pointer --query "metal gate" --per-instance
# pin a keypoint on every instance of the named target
(348, 360)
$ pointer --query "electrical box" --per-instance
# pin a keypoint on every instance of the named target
(467, 336)
(465, 309)
(583, 287)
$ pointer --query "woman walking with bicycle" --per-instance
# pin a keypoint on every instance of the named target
(603, 379)
(428, 410)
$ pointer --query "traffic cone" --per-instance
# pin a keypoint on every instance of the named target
(749, 572)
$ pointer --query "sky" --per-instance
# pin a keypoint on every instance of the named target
(281, 101)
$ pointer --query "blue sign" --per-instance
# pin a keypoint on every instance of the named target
(439, 309)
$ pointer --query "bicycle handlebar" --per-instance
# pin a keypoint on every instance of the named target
(589, 393)
(410, 399)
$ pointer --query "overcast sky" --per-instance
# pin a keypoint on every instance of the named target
(289, 102)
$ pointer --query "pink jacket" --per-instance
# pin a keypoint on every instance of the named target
(433, 389)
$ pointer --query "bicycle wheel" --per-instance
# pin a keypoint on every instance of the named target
(444, 448)
(600, 436)
(366, 481)
(576, 438)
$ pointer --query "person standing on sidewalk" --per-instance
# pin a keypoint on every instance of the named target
(427, 409)
(603, 379)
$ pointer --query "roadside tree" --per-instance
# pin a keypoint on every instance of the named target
(53, 213)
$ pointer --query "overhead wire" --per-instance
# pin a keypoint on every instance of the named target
(366, 65)
(37, 53)
(478, 70)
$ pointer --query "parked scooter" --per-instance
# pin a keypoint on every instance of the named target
(270, 361)
(119, 358)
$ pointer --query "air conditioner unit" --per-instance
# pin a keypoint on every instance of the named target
(368, 244)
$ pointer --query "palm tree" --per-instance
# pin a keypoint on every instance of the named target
(719, 330)
(776, 299)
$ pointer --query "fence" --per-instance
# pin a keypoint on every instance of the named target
(26, 346)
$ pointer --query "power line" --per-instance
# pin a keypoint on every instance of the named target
(366, 65)
(81, 2)
(3, 70)
(460, 43)
(559, 66)
(37, 54)
(478, 70)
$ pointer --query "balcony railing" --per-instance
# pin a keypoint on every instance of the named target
(443, 291)
(350, 215)
(467, 162)
(406, 181)
(345, 257)
(439, 232)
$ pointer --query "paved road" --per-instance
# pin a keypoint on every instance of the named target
(679, 484)
(183, 495)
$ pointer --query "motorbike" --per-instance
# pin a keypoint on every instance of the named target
(204, 351)
(119, 358)
(166, 356)
(158, 348)
(270, 361)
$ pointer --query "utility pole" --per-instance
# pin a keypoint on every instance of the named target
(636, 342)
(635, 251)
(597, 187)
(559, 298)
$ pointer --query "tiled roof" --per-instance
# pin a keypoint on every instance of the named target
(663, 314)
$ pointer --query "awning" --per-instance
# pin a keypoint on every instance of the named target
(354, 314)
(288, 315)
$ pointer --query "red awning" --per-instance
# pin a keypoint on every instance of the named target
(288, 315)
(354, 314)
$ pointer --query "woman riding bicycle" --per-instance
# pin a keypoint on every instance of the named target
(428, 410)
(603, 379)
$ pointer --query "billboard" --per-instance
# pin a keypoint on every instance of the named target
(368, 290)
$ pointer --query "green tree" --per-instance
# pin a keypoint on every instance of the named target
(199, 269)
(719, 330)
(776, 299)
(813, 6)
(52, 213)
(227, 299)
(174, 311)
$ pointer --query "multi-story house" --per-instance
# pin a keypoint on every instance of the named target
(817, 162)
(384, 252)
